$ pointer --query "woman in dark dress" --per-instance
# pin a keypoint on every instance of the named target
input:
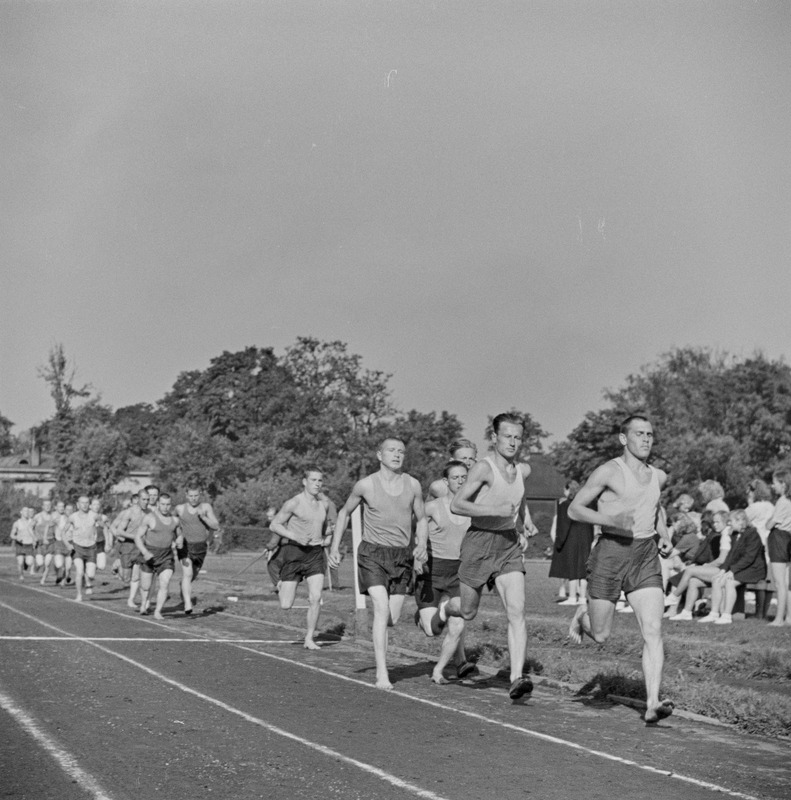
(573, 542)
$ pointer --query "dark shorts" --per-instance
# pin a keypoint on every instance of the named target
(778, 545)
(298, 562)
(195, 552)
(487, 554)
(161, 560)
(100, 545)
(23, 549)
(61, 549)
(87, 554)
(128, 553)
(620, 565)
(390, 567)
(48, 549)
(441, 578)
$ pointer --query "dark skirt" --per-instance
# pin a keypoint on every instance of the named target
(570, 562)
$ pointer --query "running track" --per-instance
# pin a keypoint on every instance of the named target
(96, 702)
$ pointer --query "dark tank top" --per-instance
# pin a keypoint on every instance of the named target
(161, 535)
(387, 520)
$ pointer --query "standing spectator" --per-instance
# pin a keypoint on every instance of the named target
(745, 563)
(573, 542)
(760, 507)
(779, 544)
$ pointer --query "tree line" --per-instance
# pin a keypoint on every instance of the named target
(246, 426)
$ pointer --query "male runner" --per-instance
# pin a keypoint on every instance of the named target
(124, 529)
(155, 537)
(63, 549)
(491, 554)
(303, 522)
(24, 538)
(626, 557)
(460, 450)
(391, 499)
(152, 490)
(440, 578)
(198, 526)
(80, 532)
(103, 544)
(44, 526)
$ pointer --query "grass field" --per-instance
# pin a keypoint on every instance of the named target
(739, 674)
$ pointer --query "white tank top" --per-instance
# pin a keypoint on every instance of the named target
(641, 500)
(446, 533)
(499, 492)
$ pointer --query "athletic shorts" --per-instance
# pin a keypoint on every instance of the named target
(50, 548)
(100, 545)
(617, 564)
(298, 561)
(61, 549)
(778, 546)
(441, 578)
(23, 549)
(128, 553)
(390, 567)
(161, 559)
(487, 554)
(195, 552)
(87, 554)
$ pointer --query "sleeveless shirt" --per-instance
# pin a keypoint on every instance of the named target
(44, 526)
(499, 492)
(134, 519)
(161, 535)
(446, 533)
(387, 520)
(195, 530)
(641, 500)
(25, 533)
(308, 519)
(84, 531)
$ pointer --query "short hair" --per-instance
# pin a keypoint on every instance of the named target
(132, 496)
(760, 489)
(150, 487)
(83, 497)
(627, 421)
(458, 444)
(783, 476)
(390, 439)
(164, 496)
(711, 490)
(722, 516)
(572, 487)
(193, 487)
(739, 513)
(684, 498)
(452, 464)
(508, 416)
(311, 468)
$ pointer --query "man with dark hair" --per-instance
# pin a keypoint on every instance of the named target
(155, 538)
(303, 522)
(391, 500)
(459, 450)
(198, 526)
(493, 496)
(626, 557)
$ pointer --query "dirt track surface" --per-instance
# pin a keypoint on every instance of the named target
(96, 701)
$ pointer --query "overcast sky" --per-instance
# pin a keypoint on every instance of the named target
(503, 204)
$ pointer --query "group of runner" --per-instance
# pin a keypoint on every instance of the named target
(468, 535)
(144, 540)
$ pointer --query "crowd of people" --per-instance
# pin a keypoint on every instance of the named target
(143, 541)
(613, 543)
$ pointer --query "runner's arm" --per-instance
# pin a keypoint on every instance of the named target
(421, 528)
(463, 504)
(207, 516)
(579, 509)
(142, 530)
(355, 498)
(278, 524)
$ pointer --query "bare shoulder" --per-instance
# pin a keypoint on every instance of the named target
(364, 487)
(662, 476)
(525, 469)
(432, 506)
(481, 471)
(606, 476)
(414, 484)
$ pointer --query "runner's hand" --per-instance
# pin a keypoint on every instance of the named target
(334, 558)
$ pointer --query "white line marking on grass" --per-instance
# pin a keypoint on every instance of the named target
(65, 759)
(471, 714)
(68, 638)
(393, 780)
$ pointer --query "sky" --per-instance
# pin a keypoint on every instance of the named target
(511, 204)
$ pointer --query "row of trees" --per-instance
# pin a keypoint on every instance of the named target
(246, 426)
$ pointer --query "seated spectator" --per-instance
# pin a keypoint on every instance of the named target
(705, 567)
(745, 563)
(712, 494)
(684, 530)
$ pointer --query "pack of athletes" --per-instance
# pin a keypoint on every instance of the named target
(308, 521)
(158, 539)
(197, 534)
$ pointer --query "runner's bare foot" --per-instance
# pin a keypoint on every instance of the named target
(131, 604)
(311, 645)
(158, 615)
(575, 629)
(384, 683)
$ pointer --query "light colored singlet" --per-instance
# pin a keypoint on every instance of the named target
(44, 525)
(193, 527)
(445, 534)
(308, 519)
(387, 520)
(499, 492)
(161, 535)
(84, 531)
(134, 520)
(25, 533)
(641, 500)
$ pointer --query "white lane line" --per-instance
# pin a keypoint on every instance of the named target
(142, 639)
(471, 714)
(65, 759)
(320, 748)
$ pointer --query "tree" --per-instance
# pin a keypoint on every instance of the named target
(6, 439)
(141, 424)
(98, 460)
